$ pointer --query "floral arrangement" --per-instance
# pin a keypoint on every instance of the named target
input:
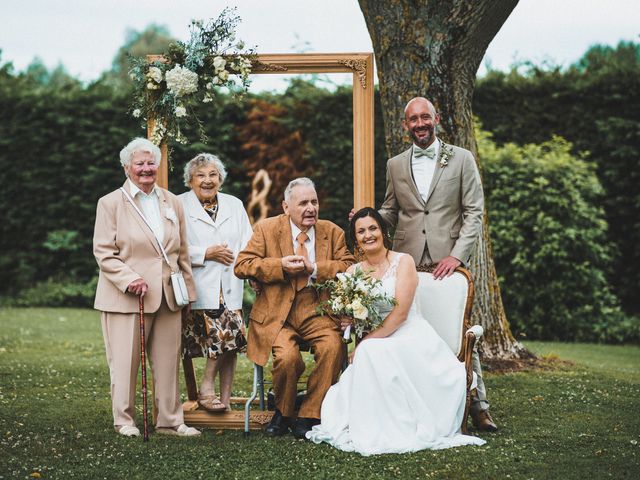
(446, 152)
(357, 295)
(191, 73)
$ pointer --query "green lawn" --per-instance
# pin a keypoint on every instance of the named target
(571, 421)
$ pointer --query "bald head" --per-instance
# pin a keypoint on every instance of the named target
(420, 121)
(420, 102)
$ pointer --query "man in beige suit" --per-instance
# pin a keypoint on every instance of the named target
(285, 255)
(132, 265)
(435, 202)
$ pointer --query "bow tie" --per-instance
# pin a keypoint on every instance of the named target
(429, 152)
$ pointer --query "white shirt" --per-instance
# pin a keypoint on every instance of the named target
(310, 244)
(423, 168)
(150, 206)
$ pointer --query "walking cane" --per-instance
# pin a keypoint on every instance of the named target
(144, 371)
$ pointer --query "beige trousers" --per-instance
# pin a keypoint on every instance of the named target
(121, 333)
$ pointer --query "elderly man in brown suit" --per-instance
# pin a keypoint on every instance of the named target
(435, 202)
(285, 255)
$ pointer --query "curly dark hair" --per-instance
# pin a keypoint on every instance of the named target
(373, 213)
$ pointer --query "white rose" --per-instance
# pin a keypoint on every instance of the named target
(180, 111)
(155, 74)
(362, 287)
(359, 311)
(136, 113)
(219, 63)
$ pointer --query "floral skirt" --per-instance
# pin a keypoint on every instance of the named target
(209, 333)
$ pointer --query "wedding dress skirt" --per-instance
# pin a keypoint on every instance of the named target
(402, 393)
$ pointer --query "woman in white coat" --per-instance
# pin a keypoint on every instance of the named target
(217, 229)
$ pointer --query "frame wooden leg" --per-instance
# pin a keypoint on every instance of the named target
(190, 379)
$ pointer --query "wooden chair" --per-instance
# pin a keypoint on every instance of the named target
(446, 304)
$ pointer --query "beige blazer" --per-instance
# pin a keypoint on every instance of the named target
(126, 249)
(450, 221)
(261, 260)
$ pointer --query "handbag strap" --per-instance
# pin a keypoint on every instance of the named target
(164, 253)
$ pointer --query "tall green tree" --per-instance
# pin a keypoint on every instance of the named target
(434, 48)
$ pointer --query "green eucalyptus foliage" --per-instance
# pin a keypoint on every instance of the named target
(550, 243)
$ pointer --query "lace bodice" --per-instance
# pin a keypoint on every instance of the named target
(388, 280)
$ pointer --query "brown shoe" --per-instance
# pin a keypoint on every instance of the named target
(482, 421)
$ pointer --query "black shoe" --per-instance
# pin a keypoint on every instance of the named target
(279, 425)
(303, 425)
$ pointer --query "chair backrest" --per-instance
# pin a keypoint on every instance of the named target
(446, 304)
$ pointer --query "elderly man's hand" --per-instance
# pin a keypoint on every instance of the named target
(293, 264)
(138, 287)
(446, 267)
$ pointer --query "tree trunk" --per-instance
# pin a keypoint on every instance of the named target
(433, 49)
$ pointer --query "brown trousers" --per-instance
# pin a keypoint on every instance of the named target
(121, 333)
(323, 334)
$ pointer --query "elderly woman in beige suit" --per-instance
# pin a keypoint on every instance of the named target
(132, 266)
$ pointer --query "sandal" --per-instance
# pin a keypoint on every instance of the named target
(211, 403)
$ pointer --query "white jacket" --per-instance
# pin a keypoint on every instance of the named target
(231, 226)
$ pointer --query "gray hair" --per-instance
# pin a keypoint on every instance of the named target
(202, 160)
(297, 182)
(139, 145)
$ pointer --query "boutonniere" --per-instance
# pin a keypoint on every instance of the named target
(171, 215)
(446, 152)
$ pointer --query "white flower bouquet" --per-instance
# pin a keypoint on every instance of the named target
(169, 89)
(357, 295)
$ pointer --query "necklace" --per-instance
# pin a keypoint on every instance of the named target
(383, 263)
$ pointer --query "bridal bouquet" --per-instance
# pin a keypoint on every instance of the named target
(357, 295)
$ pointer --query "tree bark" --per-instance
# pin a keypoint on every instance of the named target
(433, 48)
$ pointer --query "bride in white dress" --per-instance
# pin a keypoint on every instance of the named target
(404, 390)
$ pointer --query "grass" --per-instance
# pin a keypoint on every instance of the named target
(570, 421)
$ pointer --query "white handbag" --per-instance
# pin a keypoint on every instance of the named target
(180, 292)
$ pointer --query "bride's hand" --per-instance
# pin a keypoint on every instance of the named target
(345, 321)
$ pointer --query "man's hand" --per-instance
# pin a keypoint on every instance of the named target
(219, 253)
(256, 286)
(138, 287)
(308, 266)
(446, 267)
(293, 264)
(352, 213)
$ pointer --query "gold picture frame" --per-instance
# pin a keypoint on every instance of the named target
(360, 65)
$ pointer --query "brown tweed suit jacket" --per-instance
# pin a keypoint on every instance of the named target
(261, 260)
